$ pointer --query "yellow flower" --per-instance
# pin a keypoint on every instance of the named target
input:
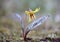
(31, 13)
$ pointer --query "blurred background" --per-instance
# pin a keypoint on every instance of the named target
(10, 27)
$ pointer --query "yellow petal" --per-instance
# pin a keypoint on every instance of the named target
(36, 10)
(26, 12)
(30, 19)
(34, 16)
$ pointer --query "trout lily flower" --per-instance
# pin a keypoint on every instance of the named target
(31, 13)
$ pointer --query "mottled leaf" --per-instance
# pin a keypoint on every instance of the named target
(37, 22)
